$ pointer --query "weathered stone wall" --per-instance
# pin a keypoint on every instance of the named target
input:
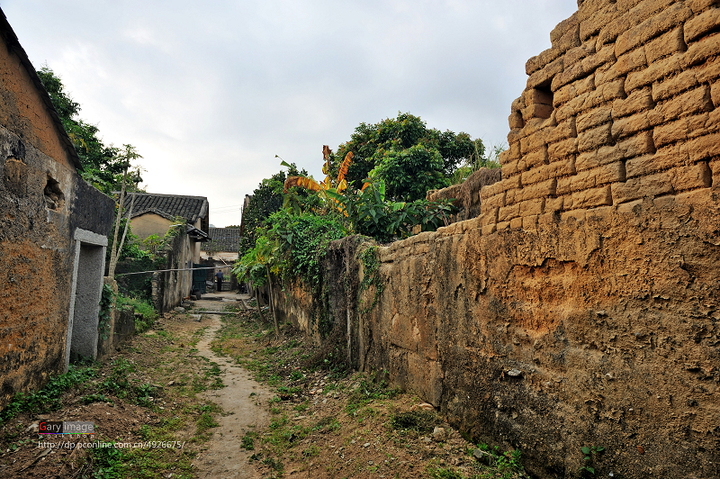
(43, 203)
(623, 106)
(582, 306)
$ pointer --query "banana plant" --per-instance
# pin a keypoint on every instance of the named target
(256, 267)
(327, 189)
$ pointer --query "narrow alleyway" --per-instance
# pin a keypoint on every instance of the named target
(243, 402)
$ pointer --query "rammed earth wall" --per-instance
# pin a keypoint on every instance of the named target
(581, 307)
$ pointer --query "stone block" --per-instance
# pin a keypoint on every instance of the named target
(570, 39)
(715, 93)
(660, 69)
(515, 120)
(592, 118)
(605, 93)
(665, 45)
(530, 222)
(592, 25)
(532, 207)
(701, 25)
(683, 129)
(562, 131)
(568, 75)
(489, 229)
(691, 177)
(663, 159)
(667, 19)
(536, 111)
(506, 213)
(512, 168)
(577, 54)
(637, 101)
(502, 225)
(514, 152)
(489, 216)
(629, 125)
(701, 50)
(602, 175)
(564, 186)
(535, 158)
(592, 198)
(715, 168)
(532, 142)
(698, 6)
(488, 191)
(548, 218)
(594, 138)
(516, 223)
(562, 28)
(540, 61)
(641, 187)
(704, 147)
(573, 90)
(518, 104)
(562, 149)
(605, 56)
(674, 85)
(538, 190)
(637, 145)
(543, 77)
(630, 61)
(508, 184)
(691, 102)
(497, 201)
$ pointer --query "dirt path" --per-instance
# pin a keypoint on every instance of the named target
(243, 402)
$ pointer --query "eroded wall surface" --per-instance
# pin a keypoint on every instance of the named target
(43, 201)
(581, 308)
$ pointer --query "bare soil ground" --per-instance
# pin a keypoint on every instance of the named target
(180, 401)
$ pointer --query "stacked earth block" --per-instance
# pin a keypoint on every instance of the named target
(623, 106)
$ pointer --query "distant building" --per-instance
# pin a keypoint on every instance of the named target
(223, 245)
(155, 213)
(53, 234)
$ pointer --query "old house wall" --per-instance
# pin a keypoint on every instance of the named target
(150, 224)
(582, 306)
(43, 204)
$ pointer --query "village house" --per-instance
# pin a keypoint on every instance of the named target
(53, 234)
(155, 214)
(222, 251)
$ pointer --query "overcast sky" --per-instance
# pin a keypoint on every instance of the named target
(209, 92)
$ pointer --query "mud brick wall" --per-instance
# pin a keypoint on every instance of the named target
(622, 106)
(582, 306)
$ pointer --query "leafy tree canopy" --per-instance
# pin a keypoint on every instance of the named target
(409, 157)
(102, 165)
(266, 199)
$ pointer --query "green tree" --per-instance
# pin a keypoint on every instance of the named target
(404, 151)
(267, 199)
(103, 166)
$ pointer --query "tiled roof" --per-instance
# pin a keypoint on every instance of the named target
(224, 239)
(169, 206)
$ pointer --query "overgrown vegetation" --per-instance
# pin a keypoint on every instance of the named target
(341, 424)
(148, 394)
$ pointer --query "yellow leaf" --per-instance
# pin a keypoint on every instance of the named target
(344, 167)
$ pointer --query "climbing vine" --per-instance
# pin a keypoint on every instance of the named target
(371, 277)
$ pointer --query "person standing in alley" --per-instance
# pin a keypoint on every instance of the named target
(219, 278)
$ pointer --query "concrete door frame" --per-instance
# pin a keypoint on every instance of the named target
(83, 331)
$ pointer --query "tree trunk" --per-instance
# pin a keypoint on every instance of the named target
(272, 306)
